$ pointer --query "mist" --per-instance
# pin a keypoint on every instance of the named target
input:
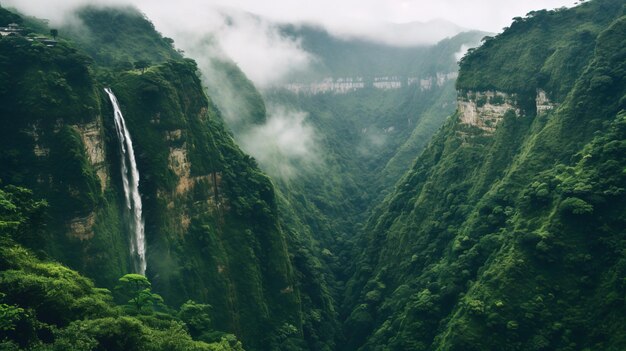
(247, 32)
(462, 51)
(373, 19)
(285, 146)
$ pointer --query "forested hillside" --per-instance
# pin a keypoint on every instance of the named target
(484, 212)
(211, 217)
(363, 138)
(508, 231)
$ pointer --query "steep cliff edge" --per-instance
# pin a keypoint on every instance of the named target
(212, 223)
(507, 233)
(211, 216)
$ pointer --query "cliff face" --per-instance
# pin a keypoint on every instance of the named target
(212, 224)
(505, 234)
(486, 109)
(211, 217)
(352, 84)
(53, 142)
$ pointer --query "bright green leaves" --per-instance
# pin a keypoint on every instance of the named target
(196, 316)
(135, 289)
(10, 315)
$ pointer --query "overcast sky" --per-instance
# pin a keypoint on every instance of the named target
(487, 15)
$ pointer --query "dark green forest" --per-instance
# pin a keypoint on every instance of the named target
(482, 213)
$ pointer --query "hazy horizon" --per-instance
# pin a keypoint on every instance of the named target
(247, 32)
(343, 18)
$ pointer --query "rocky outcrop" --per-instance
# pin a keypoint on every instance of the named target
(350, 84)
(486, 109)
(92, 136)
(337, 86)
(178, 162)
(543, 103)
(174, 135)
(82, 227)
(427, 83)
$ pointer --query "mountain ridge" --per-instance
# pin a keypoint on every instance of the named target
(486, 235)
(481, 214)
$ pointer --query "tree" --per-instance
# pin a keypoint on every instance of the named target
(54, 33)
(22, 218)
(142, 65)
(10, 315)
(196, 316)
(136, 290)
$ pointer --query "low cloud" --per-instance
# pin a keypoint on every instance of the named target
(462, 51)
(57, 12)
(201, 29)
(285, 146)
(266, 56)
(372, 141)
(396, 34)
(255, 45)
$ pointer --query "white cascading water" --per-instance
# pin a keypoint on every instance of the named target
(130, 179)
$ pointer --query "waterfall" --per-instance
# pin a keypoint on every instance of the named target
(130, 180)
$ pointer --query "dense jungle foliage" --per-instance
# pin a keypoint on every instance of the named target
(417, 230)
(47, 306)
(513, 239)
(212, 225)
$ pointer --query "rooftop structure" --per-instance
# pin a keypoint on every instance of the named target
(11, 29)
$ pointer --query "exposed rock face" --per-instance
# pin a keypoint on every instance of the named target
(174, 135)
(39, 150)
(82, 228)
(179, 164)
(543, 103)
(91, 134)
(178, 161)
(486, 109)
(350, 84)
(427, 83)
(337, 86)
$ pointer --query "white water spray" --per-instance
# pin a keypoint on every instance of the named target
(130, 179)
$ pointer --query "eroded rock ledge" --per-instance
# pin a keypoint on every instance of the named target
(486, 109)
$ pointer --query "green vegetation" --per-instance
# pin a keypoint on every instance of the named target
(211, 216)
(49, 99)
(120, 37)
(231, 253)
(341, 57)
(510, 240)
(365, 141)
(7, 17)
(228, 78)
(46, 306)
(543, 50)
